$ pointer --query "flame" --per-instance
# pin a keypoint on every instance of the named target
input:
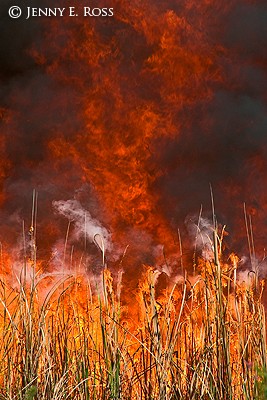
(124, 112)
(127, 109)
(120, 124)
(202, 329)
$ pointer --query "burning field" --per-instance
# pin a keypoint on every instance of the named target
(133, 200)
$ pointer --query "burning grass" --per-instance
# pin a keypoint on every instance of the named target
(203, 337)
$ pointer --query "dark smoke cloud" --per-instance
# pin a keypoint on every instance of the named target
(17, 37)
(35, 109)
(246, 31)
(225, 145)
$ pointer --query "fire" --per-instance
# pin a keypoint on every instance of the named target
(68, 332)
(122, 124)
(129, 112)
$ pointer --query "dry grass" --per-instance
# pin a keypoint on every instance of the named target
(201, 338)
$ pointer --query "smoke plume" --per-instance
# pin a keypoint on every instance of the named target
(85, 226)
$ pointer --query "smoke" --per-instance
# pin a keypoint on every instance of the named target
(85, 226)
(201, 232)
(250, 268)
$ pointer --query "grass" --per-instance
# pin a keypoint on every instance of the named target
(202, 337)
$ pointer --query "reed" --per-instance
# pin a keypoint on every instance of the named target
(202, 337)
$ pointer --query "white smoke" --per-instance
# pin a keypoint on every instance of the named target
(201, 231)
(251, 268)
(85, 226)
